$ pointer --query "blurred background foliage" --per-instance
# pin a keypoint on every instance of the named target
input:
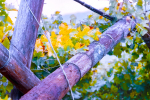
(126, 77)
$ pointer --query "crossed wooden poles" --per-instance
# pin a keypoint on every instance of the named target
(54, 86)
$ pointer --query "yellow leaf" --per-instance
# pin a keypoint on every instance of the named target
(64, 29)
(100, 17)
(8, 28)
(105, 9)
(53, 35)
(140, 2)
(50, 51)
(6, 98)
(1, 28)
(73, 24)
(149, 17)
(66, 41)
(106, 19)
(139, 66)
(142, 18)
(57, 12)
(79, 45)
(6, 43)
(98, 32)
(11, 9)
(133, 17)
(117, 7)
(90, 16)
(44, 17)
(129, 29)
(95, 71)
(43, 38)
(9, 20)
(56, 22)
(123, 8)
(38, 46)
(1, 34)
(138, 27)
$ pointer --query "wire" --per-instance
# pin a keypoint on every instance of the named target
(47, 36)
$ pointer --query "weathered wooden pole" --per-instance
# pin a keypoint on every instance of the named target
(26, 28)
(25, 34)
(23, 42)
(54, 86)
(16, 72)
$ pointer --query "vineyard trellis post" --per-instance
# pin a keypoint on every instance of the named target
(22, 46)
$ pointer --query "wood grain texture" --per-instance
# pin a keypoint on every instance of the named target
(55, 86)
(25, 31)
(16, 72)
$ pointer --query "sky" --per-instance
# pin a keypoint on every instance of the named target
(66, 7)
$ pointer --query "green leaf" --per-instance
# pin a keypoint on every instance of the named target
(88, 38)
(2, 18)
(38, 54)
(148, 56)
(134, 64)
(40, 61)
(61, 51)
(135, 55)
(139, 88)
(124, 86)
(50, 61)
(143, 32)
(117, 50)
(9, 87)
(109, 73)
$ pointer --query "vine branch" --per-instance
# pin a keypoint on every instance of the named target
(97, 11)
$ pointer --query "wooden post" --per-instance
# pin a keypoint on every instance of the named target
(22, 45)
(16, 72)
(26, 28)
(25, 34)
